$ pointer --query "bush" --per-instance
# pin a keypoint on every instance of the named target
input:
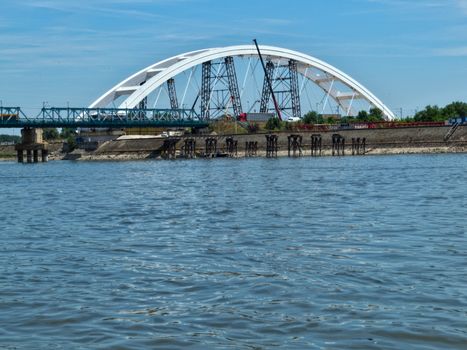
(71, 142)
(273, 124)
(253, 128)
(313, 117)
(50, 134)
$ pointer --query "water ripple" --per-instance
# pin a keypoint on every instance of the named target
(332, 253)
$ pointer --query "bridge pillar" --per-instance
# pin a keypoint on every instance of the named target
(29, 156)
(295, 145)
(338, 145)
(251, 148)
(20, 156)
(45, 155)
(271, 146)
(316, 145)
(232, 146)
(32, 143)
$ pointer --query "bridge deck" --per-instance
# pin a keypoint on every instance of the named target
(13, 117)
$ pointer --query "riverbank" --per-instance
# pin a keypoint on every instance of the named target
(419, 140)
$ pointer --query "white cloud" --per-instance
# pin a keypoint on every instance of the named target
(460, 51)
(462, 5)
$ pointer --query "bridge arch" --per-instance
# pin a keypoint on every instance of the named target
(138, 86)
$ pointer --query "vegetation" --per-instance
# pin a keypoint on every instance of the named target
(51, 134)
(10, 138)
(313, 117)
(437, 114)
(253, 128)
(274, 124)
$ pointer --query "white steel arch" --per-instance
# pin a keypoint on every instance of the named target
(147, 80)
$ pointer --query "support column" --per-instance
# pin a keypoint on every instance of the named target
(29, 156)
(20, 156)
(271, 146)
(316, 145)
(35, 156)
(295, 145)
(45, 156)
(232, 146)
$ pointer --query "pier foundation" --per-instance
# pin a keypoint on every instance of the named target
(31, 143)
(210, 147)
(316, 145)
(189, 148)
(232, 146)
(294, 145)
(338, 145)
(251, 148)
(271, 146)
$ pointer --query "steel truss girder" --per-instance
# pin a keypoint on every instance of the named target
(206, 90)
(172, 93)
(233, 85)
(285, 86)
(266, 94)
(294, 91)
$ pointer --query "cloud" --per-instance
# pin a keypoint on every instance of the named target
(460, 51)
(462, 5)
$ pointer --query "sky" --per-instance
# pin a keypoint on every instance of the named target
(409, 53)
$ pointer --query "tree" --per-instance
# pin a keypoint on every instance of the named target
(66, 132)
(312, 117)
(429, 114)
(376, 115)
(362, 116)
(10, 138)
(51, 134)
(273, 123)
(455, 110)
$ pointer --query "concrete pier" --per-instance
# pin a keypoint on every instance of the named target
(32, 143)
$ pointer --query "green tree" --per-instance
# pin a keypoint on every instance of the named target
(51, 134)
(273, 124)
(376, 115)
(313, 117)
(429, 114)
(10, 138)
(362, 116)
(71, 141)
(455, 110)
(66, 132)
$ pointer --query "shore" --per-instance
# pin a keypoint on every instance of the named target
(428, 140)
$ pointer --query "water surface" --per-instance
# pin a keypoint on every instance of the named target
(330, 253)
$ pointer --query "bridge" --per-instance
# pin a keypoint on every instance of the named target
(213, 83)
(14, 117)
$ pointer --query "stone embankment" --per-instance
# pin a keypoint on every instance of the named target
(354, 141)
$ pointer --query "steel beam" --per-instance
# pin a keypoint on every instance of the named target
(266, 94)
(206, 90)
(172, 93)
(294, 92)
(233, 85)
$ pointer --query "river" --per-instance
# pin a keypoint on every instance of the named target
(323, 253)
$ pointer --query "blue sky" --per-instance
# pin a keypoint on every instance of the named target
(410, 53)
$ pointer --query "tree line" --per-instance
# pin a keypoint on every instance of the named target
(428, 114)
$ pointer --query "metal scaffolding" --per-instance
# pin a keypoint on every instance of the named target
(206, 90)
(172, 93)
(285, 85)
(266, 94)
(233, 85)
